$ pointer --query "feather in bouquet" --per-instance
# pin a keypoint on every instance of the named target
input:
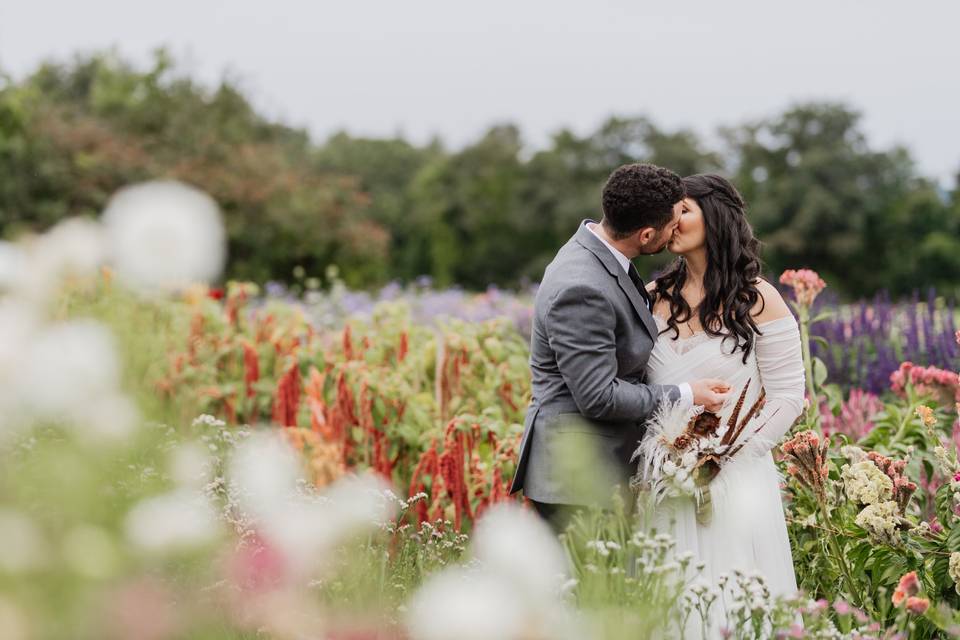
(684, 449)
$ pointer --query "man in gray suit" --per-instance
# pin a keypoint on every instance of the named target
(593, 332)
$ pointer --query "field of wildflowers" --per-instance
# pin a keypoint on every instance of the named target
(180, 460)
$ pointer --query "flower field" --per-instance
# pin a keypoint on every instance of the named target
(312, 462)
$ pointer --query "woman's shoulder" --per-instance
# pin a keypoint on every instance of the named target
(771, 305)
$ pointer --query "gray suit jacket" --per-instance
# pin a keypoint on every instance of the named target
(592, 336)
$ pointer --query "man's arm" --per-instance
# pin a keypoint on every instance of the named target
(580, 327)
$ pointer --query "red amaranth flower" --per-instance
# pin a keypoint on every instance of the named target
(806, 284)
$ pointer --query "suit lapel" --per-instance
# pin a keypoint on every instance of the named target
(593, 244)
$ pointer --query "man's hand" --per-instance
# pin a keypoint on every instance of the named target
(710, 392)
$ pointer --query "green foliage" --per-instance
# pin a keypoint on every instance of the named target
(493, 212)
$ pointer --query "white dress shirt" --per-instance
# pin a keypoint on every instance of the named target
(686, 393)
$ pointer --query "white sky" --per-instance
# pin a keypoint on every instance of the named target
(453, 67)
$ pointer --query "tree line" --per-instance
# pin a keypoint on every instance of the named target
(492, 212)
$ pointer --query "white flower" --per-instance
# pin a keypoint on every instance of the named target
(954, 569)
(264, 474)
(165, 234)
(669, 468)
(71, 372)
(14, 265)
(205, 419)
(190, 465)
(864, 482)
(880, 521)
(180, 520)
(74, 247)
(455, 604)
(689, 459)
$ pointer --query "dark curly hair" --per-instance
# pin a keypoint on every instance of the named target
(637, 196)
(733, 267)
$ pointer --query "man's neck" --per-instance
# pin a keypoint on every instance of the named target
(619, 245)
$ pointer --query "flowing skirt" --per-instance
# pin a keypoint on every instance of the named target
(746, 532)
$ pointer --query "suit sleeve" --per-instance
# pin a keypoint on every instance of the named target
(581, 327)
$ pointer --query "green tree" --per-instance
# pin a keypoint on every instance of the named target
(820, 197)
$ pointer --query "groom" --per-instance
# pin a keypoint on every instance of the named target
(593, 332)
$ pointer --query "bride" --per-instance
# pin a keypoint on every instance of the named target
(719, 319)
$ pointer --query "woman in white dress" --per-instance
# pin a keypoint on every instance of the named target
(719, 319)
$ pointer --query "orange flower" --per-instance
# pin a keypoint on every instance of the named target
(898, 597)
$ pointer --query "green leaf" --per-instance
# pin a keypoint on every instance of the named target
(819, 372)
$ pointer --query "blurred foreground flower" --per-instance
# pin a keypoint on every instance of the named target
(513, 591)
(67, 372)
(267, 487)
(180, 520)
(165, 234)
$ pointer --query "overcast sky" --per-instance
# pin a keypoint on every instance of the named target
(453, 67)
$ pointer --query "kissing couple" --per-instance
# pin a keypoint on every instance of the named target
(607, 351)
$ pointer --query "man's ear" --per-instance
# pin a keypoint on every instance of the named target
(645, 235)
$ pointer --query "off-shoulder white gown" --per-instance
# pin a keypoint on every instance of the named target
(747, 530)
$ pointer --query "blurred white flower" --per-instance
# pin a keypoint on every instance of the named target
(67, 369)
(191, 465)
(265, 469)
(110, 417)
(177, 521)
(264, 473)
(17, 325)
(165, 234)
(21, 542)
(35, 267)
(518, 545)
(467, 606)
(13, 265)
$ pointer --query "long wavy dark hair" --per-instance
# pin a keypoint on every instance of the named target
(733, 267)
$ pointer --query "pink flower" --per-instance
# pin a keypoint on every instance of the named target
(806, 284)
(842, 607)
(935, 525)
(931, 381)
(917, 605)
(909, 584)
(856, 413)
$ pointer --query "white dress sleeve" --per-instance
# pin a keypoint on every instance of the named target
(780, 362)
